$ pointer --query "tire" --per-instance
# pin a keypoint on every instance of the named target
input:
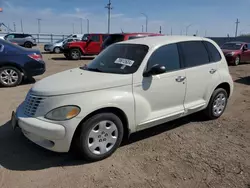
(5, 72)
(75, 54)
(92, 139)
(28, 45)
(57, 50)
(67, 56)
(217, 104)
(237, 61)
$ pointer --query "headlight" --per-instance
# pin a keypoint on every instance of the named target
(231, 53)
(63, 113)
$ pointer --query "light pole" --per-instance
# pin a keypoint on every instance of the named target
(187, 27)
(73, 25)
(81, 24)
(22, 25)
(88, 26)
(146, 21)
(39, 24)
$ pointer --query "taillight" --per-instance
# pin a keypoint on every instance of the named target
(37, 57)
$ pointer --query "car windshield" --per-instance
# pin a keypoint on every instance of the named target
(60, 41)
(232, 46)
(113, 39)
(119, 59)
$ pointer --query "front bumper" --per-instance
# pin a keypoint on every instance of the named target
(45, 134)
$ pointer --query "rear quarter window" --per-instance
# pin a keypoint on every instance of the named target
(214, 53)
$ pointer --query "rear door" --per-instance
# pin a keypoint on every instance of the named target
(94, 45)
(201, 73)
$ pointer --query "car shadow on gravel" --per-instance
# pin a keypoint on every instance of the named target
(63, 58)
(20, 154)
(243, 80)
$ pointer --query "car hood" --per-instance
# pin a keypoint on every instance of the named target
(78, 80)
(228, 51)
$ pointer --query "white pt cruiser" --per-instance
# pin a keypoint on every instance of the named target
(129, 87)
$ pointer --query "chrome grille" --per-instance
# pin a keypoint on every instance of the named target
(32, 103)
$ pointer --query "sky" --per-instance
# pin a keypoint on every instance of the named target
(210, 17)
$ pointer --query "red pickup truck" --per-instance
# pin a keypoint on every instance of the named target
(89, 45)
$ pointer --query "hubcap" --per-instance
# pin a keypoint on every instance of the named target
(75, 55)
(219, 104)
(9, 76)
(57, 50)
(102, 137)
(237, 60)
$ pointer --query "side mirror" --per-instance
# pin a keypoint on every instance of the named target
(156, 69)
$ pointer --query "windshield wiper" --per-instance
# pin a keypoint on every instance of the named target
(94, 69)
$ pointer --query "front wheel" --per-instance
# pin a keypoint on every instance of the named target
(10, 76)
(75, 54)
(99, 136)
(237, 61)
(57, 50)
(217, 104)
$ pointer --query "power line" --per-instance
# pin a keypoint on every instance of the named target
(109, 7)
(236, 31)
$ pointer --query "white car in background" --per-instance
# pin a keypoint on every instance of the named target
(128, 87)
(58, 45)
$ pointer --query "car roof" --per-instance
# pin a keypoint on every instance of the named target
(239, 42)
(162, 40)
(135, 34)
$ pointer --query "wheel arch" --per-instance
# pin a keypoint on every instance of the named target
(78, 48)
(225, 86)
(117, 111)
(13, 65)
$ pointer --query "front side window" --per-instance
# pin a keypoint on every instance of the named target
(95, 38)
(215, 54)
(167, 56)
(195, 53)
(10, 36)
(119, 59)
(111, 39)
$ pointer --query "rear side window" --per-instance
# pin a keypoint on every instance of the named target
(95, 38)
(214, 53)
(167, 56)
(104, 37)
(194, 53)
(19, 36)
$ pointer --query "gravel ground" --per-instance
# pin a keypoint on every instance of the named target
(189, 152)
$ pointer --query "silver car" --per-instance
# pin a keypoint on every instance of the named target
(25, 40)
(58, 45)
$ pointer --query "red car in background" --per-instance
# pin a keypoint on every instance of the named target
(113, 38)
(236, 52)
(89, 45)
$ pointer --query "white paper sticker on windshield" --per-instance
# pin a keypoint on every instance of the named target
(126, 62)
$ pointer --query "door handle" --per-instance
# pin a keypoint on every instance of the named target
(180, 78)
(212, 71)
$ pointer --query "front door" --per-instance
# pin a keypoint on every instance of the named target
(201, 72)
(159, 98)
(94, 45)
(245, 56)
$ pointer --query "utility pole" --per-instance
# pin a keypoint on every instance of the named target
(39, 25)
(73, 25)
(236, 31)
(188, 28)
(160, 30)
(197, 32)
(88, 26)
(109, 7)
(171, 31)
(142, 28)
(14, 25)
(22, 25)
(206, 33)
(146, 21)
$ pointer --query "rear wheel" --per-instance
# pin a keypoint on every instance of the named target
(10, 76)
(28, 45)
(217, 104)
(75, 54)
(99, 136)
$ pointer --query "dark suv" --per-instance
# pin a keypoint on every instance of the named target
(113, 38)
(25, 40)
